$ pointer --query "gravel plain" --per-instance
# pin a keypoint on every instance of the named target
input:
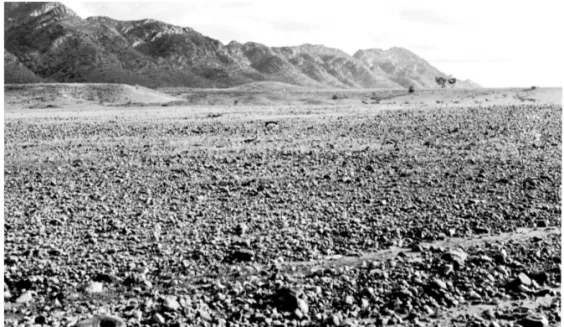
(286, 216)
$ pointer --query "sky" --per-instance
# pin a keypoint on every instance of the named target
(495, 43)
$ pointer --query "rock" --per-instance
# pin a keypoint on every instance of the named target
(543, 223)
(241, 229)
(107, 278)
(102, 321)
(41, 320)
(437, 283)
(428, 310)
(94, 287)
(448, 269)
(26, 297)
(170, 304)
(472, 295)
(302, 305)
(458, 257)
(540, 277)
(157, 318)
(335, 320)
(287, 300)
(204, 315)
(243, 255)
(535, 320)
(524, 279)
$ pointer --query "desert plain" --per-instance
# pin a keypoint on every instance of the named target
(274, 205)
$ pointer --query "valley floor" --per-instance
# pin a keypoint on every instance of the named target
(289, 215)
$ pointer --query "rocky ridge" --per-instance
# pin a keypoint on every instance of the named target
(54, 43)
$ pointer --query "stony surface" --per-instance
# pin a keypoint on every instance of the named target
(184, 223)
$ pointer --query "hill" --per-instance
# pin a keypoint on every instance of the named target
(48, 41)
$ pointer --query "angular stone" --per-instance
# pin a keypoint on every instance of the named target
(302, 305)
(524, 279)
(26, 297)
(157, 318)
(107, 278)
(437, 283)
(243, 255)
(458, 257)
(170, 304)
(535, 320)
(102, 321)
(287, 300)
(94, 287)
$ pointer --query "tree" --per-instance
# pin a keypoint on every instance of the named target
(441, 81)
(411, 89)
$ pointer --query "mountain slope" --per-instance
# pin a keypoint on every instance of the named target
(49, 41)
(404, 67)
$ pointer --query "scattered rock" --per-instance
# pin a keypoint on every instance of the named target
(94, 287)
(243, 255)
(102, 321)
(170, 304)
(287, 300)
(458, 257)
(26, 297)
(107, 278)
(535, 320)
(158, 319)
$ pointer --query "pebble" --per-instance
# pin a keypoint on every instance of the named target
(26, 297)
(170, 304)
(524, 279)
(94, 287)
(335, 320)
(540, 277)
(302, 305)
(439, 284)
(107, 278)
(448, 269)
(287, 300)
(543, 223)
(243, 255)
(157, 318)
(535, 320)
(458, 257)
(102, 321)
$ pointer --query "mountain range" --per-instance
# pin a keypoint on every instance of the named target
(48, 42)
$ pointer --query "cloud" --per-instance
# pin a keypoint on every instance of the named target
(424, 16)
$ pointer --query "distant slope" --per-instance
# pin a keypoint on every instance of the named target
(51, 42)
(404, 67)
(16, 72)
(43, 95)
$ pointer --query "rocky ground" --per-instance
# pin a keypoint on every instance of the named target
(288, 216)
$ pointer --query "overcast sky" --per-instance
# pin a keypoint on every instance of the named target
(495, 43)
